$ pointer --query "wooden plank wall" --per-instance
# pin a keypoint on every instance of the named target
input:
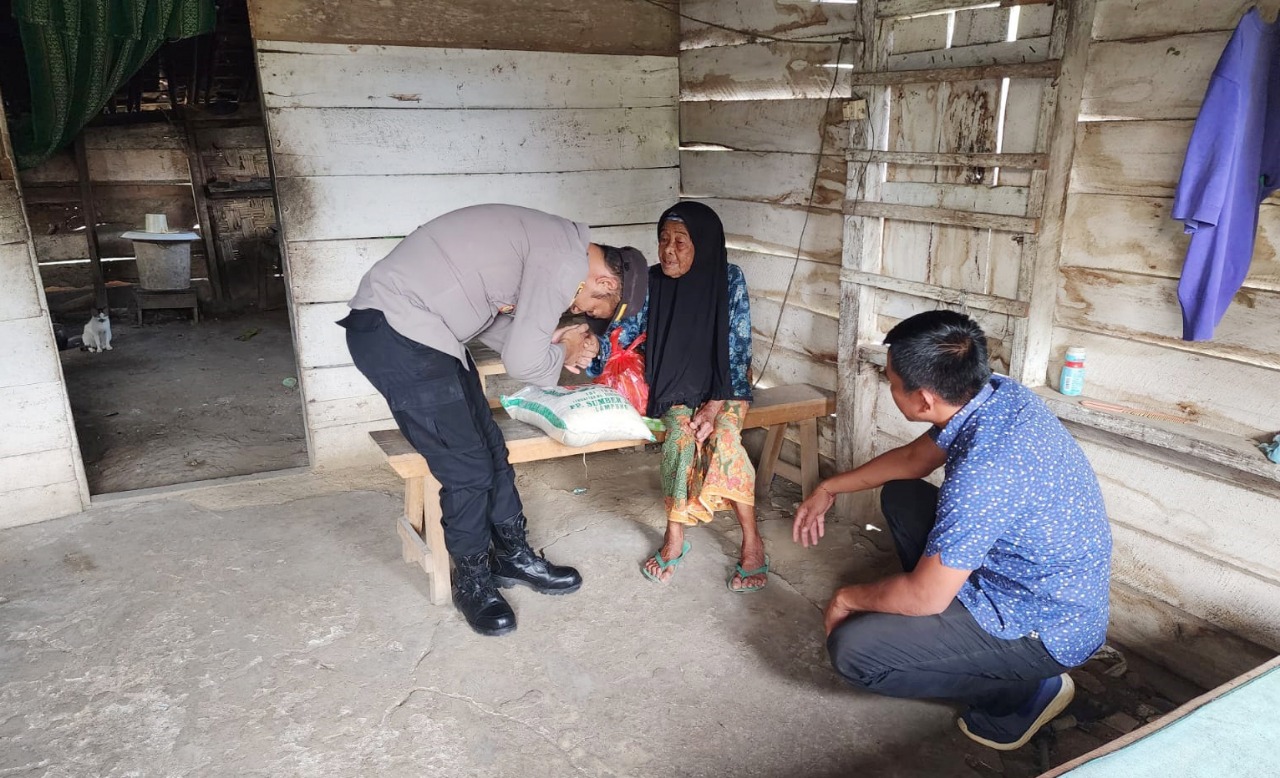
(41, 475)
(370, 140)
(956, 117)
(756, 129)
(135, 169)
(1191, 559)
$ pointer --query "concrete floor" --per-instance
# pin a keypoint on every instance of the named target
(173, 403)
(270, 628)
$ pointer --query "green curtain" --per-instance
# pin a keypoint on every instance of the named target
(80, 52)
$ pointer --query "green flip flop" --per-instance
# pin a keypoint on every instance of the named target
(663, 564)
(745, 574)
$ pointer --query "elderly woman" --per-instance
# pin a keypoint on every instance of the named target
(697, 360)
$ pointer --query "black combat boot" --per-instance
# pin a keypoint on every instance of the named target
(513, 562)
(475, 595)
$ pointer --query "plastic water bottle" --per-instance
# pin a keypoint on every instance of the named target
(1071, 381)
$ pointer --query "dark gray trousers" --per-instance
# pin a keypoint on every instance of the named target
(441, 408)
(947, 656)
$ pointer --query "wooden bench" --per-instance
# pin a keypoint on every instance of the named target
(422, 536)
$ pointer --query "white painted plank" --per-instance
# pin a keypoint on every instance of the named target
(347, 411)
(1136, 158)
(1146, 308)
(765, 71)
(1153, 79)
(914, 125)
(1126, 19)
(320, 341)
(39, 503)
(1035, 20)
(1004, 200)
(803, 126)
(977, 26)
(1002, 53)
(335, 448)
(330, 271)
(42, 468)
(13, 224)
(34, 419)
(1137, 235)
(640, 236)
(799, 329)
(815, 286)
(366, 142)
(776, 229)
(1218, 394)
(920, 33)
(318, 75)
(786, 366)
(1247, 605)
(1022, 126)
(787, 19)
(908, 250)
(31, 357)
(330, 208)
(19, 286)
(896, 306)
(1005, 255)
(778, 178)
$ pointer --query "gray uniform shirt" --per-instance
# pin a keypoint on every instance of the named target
(499, 273)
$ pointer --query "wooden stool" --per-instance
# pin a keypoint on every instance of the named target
(156, 299)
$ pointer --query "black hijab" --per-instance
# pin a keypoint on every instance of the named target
(687, 354)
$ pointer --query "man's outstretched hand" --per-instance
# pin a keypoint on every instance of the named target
(811, 516)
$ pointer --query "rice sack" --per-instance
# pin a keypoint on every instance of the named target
(578, 415)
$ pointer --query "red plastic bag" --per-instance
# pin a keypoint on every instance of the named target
(624, 372)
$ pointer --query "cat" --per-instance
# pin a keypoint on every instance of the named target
(97, 332)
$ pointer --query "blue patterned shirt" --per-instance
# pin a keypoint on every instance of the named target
(1020, 506)
(739, 335)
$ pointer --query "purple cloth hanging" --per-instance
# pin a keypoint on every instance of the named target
(1232, 165)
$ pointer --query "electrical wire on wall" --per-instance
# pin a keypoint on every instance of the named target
(813, 193)
(817, 173)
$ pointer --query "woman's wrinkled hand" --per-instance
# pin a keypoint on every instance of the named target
(704, 421)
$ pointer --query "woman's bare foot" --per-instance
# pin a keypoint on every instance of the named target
(752, 557)
(672, 547)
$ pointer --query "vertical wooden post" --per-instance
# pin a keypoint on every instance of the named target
(1069, 41)
(858, 380)
(205, 214)
(90, 214)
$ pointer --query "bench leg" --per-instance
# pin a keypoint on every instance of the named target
(433, 533)
(414, 496)
(808, 456)
(769, 458)
(422, 535)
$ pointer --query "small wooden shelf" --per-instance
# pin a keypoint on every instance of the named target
(1223, 450)
(1230, 451)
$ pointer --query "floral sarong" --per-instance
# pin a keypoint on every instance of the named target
(698, 480)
